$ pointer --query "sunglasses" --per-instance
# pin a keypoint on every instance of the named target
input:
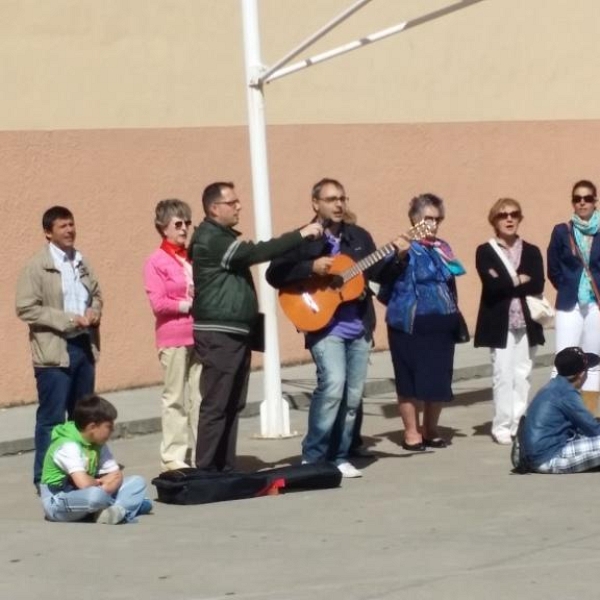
(588, 199)
(179, 224)
(513, 214)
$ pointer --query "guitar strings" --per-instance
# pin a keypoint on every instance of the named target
(417, 231)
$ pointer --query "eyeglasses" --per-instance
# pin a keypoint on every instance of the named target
(513, 214)
(229, 202)
(179, 224)
(333, 199)
(588, 199)
(436, 220)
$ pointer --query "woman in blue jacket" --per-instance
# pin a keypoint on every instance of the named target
(574, 270)
(423, 322)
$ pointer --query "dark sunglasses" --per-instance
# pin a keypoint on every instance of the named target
(588, 199)
(513, 214)
(180, 224)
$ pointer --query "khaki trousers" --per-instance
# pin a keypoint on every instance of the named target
(180, 405)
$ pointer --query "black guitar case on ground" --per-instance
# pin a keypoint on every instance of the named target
(317, 476)
(194, 486)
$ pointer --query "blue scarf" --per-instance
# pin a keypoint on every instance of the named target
(583, 230)
(444, 251)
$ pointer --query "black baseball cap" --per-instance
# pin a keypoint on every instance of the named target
(572, 361)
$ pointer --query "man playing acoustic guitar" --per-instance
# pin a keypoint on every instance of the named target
(340, 349)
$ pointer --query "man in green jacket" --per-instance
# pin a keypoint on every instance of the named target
(225, 312)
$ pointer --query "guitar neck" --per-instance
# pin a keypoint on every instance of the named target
(368, 261)
(416, 232)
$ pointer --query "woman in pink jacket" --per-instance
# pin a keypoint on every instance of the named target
(169, 285)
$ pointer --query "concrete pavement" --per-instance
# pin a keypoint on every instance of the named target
(439, 525)
(139, 409)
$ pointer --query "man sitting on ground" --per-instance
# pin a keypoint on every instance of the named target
(559, 434)
(81, 479)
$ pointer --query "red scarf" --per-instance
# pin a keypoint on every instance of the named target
(174, 250)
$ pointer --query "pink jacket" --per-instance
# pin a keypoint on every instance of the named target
(166, 286)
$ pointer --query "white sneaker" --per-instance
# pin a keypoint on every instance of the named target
(348, 470)
(503, 440)
(111, 516)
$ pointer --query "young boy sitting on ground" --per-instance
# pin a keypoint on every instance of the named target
(80, 479)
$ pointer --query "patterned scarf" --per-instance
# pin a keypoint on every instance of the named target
(584, 232)
(444, 251)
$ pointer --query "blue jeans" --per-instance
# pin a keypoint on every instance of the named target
(76, 505)
(341, 373)
(58, 390)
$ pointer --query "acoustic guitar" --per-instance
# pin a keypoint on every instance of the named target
(311, 303)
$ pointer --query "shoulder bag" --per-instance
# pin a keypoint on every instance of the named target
(540, 309)
(577, 252)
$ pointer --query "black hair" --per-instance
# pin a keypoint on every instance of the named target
(316, 190)
(584, 183)
(93, 409)
(54, 213)
(213, 192)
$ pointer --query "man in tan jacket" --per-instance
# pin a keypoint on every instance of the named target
(59, 298)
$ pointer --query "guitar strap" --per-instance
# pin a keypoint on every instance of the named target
(577, 252)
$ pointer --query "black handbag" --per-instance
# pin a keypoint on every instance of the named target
(462, 335)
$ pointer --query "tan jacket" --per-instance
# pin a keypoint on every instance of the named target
(40, 304)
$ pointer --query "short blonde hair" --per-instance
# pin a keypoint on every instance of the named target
(497, 208)
(167, 209)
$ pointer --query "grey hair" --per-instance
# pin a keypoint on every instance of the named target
(419, 203)
(167, 209)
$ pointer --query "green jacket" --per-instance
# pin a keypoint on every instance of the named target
(224, 295)
(52, 474)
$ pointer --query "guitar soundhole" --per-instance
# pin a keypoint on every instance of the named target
(336, 282)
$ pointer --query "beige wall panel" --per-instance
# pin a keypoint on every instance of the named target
(120, 63)
(112, 180)
(496, 60)
(77, 64)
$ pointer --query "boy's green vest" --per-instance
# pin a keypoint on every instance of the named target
(52, 474)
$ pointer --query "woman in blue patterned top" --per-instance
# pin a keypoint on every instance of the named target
(423, 322)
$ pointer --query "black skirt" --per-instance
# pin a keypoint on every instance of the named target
(424, 359)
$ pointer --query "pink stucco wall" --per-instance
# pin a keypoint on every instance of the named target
(111, 179)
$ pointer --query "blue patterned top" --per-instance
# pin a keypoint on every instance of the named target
(423, 288)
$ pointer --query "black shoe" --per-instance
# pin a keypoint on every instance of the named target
(420, 447)
(361, 452)
(435, 443)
